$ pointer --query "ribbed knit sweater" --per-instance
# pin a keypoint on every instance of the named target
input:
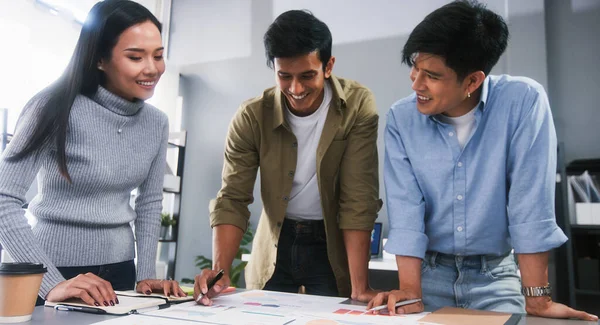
(87, 222)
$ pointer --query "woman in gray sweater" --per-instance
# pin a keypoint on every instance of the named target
(93, 140)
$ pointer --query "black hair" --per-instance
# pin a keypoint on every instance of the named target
(106, 21)
(465, 33)
(297, 32)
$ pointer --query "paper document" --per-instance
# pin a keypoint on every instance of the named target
(272, 308)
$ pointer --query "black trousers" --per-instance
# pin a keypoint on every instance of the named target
(302, 260)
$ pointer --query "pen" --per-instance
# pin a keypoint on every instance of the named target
(211, 283)
(79, 308)
(147, 309)
(398, 304)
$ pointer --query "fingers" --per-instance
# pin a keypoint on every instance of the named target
(100, 290)
(200, 282)
(411, 309)
(166, 287)
(204, 277)
(181, 292)
(218, 287)
(379, 300)
(582, 315)
(391, 303)
(83, 295)
(105, 288)
(144, 287)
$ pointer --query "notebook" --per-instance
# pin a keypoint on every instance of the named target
(130, 302)
(171, 299)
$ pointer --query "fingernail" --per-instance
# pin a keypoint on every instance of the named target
(148, 292)
(112, 303)
(117, 300)
(217, 287)
(97, 304)
(106, 304)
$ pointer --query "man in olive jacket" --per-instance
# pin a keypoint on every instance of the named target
(314, 139)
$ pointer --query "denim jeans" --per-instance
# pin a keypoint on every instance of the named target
(120, 275)
(302, 260)
(478, 282)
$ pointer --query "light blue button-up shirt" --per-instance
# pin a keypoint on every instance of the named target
(494, 195)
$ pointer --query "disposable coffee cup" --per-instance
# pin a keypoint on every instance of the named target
(19, 286)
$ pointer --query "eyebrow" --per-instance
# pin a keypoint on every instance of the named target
(135, 49)
(435, 74)
(304, 72)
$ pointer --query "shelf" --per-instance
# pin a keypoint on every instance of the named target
(177, 139)
(587, 292)
(167, 240)
(585, 227)
(170, 191)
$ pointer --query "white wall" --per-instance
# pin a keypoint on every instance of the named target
(368, 41)
(573, 69)
(39, 46)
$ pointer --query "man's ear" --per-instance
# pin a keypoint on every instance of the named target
(474, 80)
(329, 67)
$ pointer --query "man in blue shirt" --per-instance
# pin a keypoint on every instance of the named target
(470, 169)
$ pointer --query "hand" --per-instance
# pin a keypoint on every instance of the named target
(545, 307)
(201, 286)
(165, 287)
(392, 297)
(365, 296)
(88, 287)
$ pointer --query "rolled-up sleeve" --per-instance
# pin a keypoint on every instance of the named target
(531, 178)
(404, 199)
(240, 167)
(359, 170)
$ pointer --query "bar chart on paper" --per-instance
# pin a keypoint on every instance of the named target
(276, 308)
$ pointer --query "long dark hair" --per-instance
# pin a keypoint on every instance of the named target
(99, 35)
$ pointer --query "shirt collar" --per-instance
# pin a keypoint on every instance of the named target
(482, 100)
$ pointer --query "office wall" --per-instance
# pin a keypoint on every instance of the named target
(573, 49)
(367, 45)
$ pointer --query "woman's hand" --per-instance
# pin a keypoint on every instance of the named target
(88, 287)
(166, 287)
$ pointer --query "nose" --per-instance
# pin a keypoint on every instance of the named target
(296, 87)
(417, 79)
(150, 68)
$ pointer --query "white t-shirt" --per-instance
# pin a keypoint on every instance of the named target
(463, 125)
(305, 199)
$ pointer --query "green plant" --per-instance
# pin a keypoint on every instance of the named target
(166, 220)
(203, 262)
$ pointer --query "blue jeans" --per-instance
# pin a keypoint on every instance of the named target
(478, 282)
(120, 275)
(302, 260)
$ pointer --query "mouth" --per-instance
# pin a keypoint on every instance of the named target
(423, 99)
(146, 84)
(298, 97)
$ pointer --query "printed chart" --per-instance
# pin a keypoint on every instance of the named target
(275, 308)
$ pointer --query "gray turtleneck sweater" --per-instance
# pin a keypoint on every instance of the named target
(87, 222)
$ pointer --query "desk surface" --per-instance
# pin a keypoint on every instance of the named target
(48, 316)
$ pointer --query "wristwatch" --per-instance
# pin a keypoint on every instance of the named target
(537, 291)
